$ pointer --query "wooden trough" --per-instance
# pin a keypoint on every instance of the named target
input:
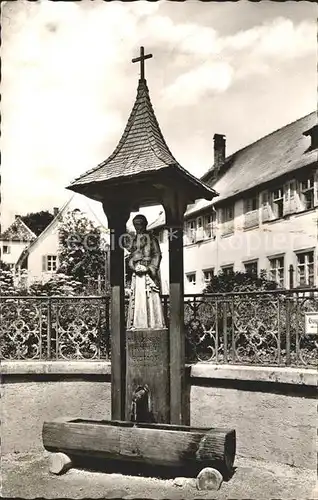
(152, 444)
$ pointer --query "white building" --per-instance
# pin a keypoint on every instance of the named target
(14, 240)
(265, 216)
(41, 257)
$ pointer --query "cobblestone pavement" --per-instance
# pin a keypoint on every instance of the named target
(27, 476)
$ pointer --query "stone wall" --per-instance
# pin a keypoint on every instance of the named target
(272, 409)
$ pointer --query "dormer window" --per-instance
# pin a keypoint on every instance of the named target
(313, 133)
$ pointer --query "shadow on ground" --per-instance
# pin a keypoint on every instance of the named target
(27, 476)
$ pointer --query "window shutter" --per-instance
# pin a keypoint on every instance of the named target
(287, 204)
(266, 210)
(290, 198)
(294, 201)
(199, 229)
(316, 187)
(264, 198)
(44, 269)
(248, 205)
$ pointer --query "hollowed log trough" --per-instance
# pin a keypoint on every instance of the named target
(150, 444)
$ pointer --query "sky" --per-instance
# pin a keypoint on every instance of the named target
(241, 69)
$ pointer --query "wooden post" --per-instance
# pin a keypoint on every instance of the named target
(179, 394)
(291, 276)
(117, 218)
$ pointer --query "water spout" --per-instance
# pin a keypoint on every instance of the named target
(140, 406)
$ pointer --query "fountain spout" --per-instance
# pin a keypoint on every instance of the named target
(140, 406)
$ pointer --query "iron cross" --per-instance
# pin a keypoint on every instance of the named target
(141, 59)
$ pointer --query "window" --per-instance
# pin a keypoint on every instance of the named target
(208, 226)
(251, 213)
(251, 204)
(251, 268)
(227, 270)
(277, 198)
(6, 249)
(307, 192)
(191, 232)
(208, 275)
(191, 278)
(305, 269)
(49, 263)
(276, 270)
(228, 220)
(266, 211)
(290, 200)
(228, 213)
(290, 190)
(199, 229)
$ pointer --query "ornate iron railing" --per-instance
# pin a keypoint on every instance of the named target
(265, 328)
(64, 328)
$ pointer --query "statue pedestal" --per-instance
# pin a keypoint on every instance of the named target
(147, 364)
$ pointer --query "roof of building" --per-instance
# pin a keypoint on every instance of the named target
(89, 208)
(18, 231)
(280, 153)
(277, 154)
(141, 150)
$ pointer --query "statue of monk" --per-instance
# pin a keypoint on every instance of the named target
(145, 308)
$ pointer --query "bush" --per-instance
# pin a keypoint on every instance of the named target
(240, 282)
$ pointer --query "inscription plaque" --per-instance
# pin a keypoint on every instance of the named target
(145, 348)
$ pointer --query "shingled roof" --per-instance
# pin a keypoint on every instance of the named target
(141, 150)
(18, 231)
(278, 154)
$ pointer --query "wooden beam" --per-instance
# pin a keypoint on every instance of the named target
(146, 443)
(117, 218)
(179, 412)
(175, 206)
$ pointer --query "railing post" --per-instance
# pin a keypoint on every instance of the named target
(279, 339)
(233, 331)
(49, 327)
(297, 346)
(216, 331)
(291, 276)
(288, 323)
(107, 324)
(225, 330)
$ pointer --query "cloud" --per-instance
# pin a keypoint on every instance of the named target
(245, 53)
(193, 85)
(279, 38)
(68, 84)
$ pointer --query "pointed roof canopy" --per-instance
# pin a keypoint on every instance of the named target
(141, 153)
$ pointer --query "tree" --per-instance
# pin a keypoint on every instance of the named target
(38, 221)
(4, 266)
(240, 282)
(82, 251)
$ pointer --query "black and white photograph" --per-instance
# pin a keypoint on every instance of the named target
(159, 250)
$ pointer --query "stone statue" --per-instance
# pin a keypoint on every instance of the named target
(145, 309)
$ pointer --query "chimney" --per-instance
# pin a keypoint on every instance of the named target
(55, 211)
(219, 151)
(17, 217)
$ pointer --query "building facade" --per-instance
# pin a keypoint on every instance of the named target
(265, 217)
(14, 240)
(40, 259)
